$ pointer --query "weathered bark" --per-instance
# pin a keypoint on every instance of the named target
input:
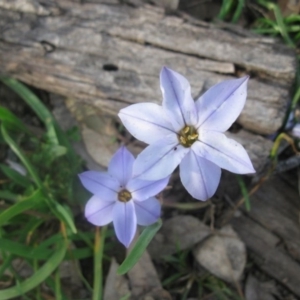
(110, 55)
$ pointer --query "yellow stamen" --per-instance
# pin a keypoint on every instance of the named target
(187, 136)
(124, 196)
(193, 136)
(182, 140)
(186, 129)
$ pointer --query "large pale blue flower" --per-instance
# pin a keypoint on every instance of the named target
(189, 134)
(121, 199)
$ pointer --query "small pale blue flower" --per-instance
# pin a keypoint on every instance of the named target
(120, 198)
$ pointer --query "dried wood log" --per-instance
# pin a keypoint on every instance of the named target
(271, 231)
(110, 55)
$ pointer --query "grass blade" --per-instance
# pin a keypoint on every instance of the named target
(139, 247)
(225, 9)
(64, 214)
(15, 148)
(54, 132)
(8, 195)
(15, 176)
(244, 192)
(21, 206)
(36, 105)
(238, 11)
(282, 26)
(23, 250)
(12, 121)
(38, 277)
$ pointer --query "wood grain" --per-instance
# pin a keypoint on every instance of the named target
(271, 231)
(109, 55)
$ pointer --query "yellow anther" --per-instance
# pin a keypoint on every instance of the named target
(182, 140)
(124, 196)
(186, 129)
(187, 136)
(193, 136)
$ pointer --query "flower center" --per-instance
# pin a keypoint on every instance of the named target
(124, 196)
(187, 136)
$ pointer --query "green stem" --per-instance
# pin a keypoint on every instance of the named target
(98, 266)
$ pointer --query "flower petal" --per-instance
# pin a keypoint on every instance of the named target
(199, 176)
(147, 122)
(100, 184)
(144, 189)
(148, 211)
(98, 212)
(177, 99)
(124, 219)
(120, 166)
(220, 106)
(224, 152)
(160, 159)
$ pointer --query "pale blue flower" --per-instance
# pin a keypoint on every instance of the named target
(189, 134)
(120, 198)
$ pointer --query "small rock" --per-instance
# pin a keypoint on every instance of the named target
(178, 233)
(97, 129)
(223, 255)
(256, 290)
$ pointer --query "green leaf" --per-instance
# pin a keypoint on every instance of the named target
(38, 277)
(57, 151)
(292, 19)
(23, 250)
(244, 192)
(282, 26)
(15, 148)
(15, 176)
(36, 105)
(21, 206)
(80, 253)
(225, 9)
(12, 121)
(65, 216)
(139, 247)
(238, 11)
(54, 132)
(8, 195)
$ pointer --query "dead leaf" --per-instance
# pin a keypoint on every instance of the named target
(289, 7)
(97, 129)
(223, 255)
(66, 120)
(116, 286)
(144, 281)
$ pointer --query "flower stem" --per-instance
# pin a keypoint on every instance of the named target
(98, 267)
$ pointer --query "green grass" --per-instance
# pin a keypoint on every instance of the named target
(36, 211)
(36, 218)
